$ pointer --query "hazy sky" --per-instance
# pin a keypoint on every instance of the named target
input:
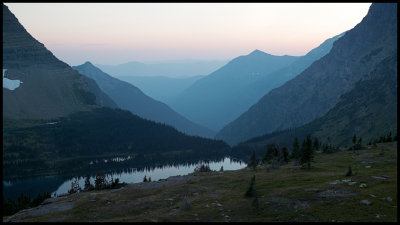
(114, 33)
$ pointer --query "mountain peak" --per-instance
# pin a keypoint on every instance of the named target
(87, 63)
(258, 52)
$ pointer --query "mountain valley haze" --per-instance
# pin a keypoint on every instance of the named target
(199, 112)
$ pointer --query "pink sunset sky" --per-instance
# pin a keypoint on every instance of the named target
(115, 33)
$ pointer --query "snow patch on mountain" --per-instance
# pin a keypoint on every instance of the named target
(10, 84)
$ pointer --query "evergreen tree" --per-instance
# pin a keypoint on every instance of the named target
(100, 182)
(253, 161)
(40, 198)
(88, 186)
(274, 155)
(285, 154)
(295, 149)
(23, 202)
(307, 153)
(359, 143)
(74, 187)
(9, 207)
(272, 152)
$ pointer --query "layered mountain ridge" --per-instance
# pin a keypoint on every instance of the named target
(234, 88)
(317, 89)
(131, 98)
(218, 98)
(369, 111)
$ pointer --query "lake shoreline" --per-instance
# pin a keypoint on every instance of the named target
(291, 194)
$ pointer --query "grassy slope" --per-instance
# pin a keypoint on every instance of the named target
(288, 194)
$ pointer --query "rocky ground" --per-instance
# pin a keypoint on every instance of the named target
(290, 193)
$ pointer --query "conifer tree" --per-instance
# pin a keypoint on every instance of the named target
(253, 161)
(99, 182)
(307, 153)
(295, 149)
(88, 186)
(285, 154)
(359, 143)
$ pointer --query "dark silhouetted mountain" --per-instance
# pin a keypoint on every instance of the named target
(318, 88)
(160, 88)
(171, 68)
(220, 97)
(131, 98)
(49, 88)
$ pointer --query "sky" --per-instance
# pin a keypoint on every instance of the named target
(115, 33)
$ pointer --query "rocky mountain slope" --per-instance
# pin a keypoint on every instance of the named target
(49, 88)
(318, 88)
(131, 98)
(368, 111)
(277, 78)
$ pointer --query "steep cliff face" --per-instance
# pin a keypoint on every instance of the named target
(317, 89)
(49, 88)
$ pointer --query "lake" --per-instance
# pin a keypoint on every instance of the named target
(60, 185)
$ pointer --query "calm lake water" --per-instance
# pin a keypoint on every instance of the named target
(59, 185)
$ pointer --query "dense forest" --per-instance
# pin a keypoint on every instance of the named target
(71, 143)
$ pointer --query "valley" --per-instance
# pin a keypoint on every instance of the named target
(138, 131)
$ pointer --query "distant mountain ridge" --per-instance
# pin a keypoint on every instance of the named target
(275, 79)
(225, 94)
(160, 88)
(131, 98)
(171, 68)
(214, 100)
(318, 88)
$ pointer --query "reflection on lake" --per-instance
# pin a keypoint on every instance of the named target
(59, 185)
